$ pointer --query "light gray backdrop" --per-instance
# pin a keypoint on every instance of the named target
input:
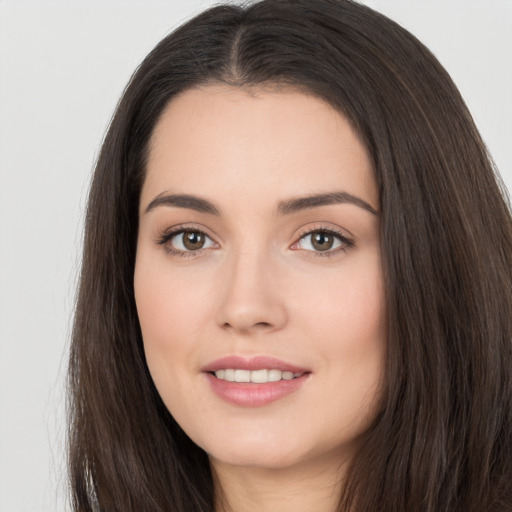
(63, 65)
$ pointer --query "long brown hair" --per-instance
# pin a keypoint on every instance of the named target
(443, 438)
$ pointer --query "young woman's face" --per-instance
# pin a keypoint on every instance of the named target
(258, 260)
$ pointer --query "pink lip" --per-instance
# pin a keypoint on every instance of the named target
(254, 363)
(248, 394)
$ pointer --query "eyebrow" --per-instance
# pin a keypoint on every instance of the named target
(184, 201)
(284, 207)
(304, 203)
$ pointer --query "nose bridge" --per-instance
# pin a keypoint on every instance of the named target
(251, 299)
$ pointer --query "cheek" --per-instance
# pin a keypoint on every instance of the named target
(345, 316)
(168, 302)
(170, 316)
(345, 303)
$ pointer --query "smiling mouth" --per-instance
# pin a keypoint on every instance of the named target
(255, 381)
(262, 376)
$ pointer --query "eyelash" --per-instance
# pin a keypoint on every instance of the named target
(167, 236)
(346, 243)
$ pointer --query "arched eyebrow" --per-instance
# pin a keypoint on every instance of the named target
(313, 201)
(184, 201)
(287, 207)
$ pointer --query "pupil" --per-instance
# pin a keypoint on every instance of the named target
(322, 241)
(193, 240)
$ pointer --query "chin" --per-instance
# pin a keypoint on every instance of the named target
(282, 452)
(257, 451)
(257, 459)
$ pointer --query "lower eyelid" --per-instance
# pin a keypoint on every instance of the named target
(337, 238)
(167, 234)
(166, 240)
(342, 239)
(345, 242)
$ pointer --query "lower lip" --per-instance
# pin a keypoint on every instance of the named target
(249, 394)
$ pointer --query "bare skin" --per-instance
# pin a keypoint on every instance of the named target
(243, 270)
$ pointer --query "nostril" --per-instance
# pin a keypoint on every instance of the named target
(257, 324)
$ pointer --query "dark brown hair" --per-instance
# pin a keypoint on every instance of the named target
(443, 438)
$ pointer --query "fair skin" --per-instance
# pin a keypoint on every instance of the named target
(300, 284)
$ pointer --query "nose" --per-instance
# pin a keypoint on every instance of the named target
(252, 296)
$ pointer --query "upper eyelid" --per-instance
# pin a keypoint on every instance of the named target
(170, 233)
(346, 239)
(181, 228)
(343, 233)
(167, 235)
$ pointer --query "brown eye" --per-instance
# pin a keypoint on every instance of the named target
(322, 241)
(187, 241)
(193, 240)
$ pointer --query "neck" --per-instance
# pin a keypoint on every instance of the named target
(293, 489)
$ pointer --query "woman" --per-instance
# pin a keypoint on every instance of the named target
(296, 286)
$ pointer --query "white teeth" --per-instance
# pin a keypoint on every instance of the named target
(259, 376)
(242, 376)
(256, 376)
(274, 375)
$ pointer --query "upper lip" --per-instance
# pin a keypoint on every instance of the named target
(252, 363)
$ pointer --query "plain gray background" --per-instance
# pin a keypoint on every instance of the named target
(63, 65)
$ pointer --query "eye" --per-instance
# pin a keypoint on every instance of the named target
(323, 240)
(183, 241)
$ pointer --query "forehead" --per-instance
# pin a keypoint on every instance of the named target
(220, 139)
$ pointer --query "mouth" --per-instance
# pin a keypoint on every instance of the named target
(254, 382)
(261, 376)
